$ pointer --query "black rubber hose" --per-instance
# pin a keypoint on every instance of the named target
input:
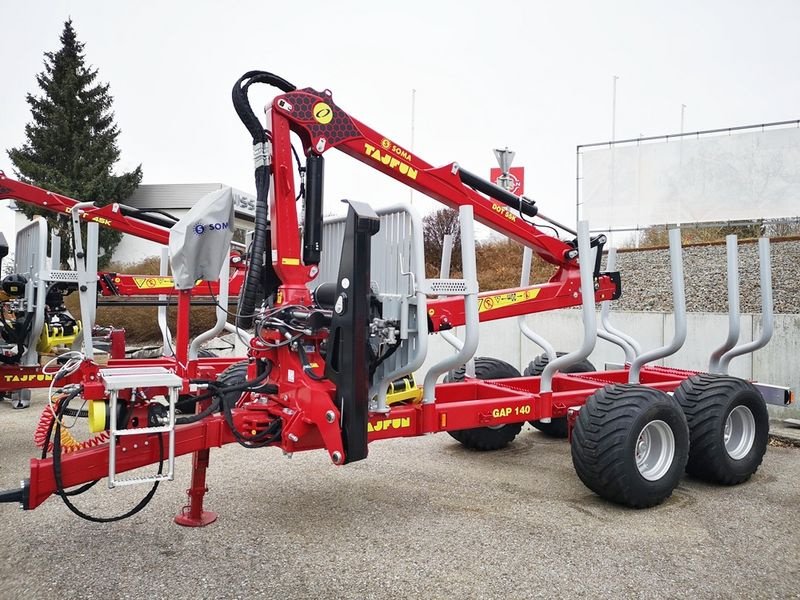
(242, 104)
(250, 293)
(65, 494)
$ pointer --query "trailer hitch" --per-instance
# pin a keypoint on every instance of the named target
(21, 494)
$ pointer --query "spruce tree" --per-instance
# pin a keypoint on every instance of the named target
(71, 144)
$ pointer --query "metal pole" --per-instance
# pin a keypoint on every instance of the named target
(679, 308)
(733, 306)
(614, 109)
(413, 118)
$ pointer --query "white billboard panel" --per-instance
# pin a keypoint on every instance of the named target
(741, 176)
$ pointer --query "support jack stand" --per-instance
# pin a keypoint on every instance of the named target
(193, 515)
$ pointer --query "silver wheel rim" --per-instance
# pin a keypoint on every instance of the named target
(655, 450)
(740, 432)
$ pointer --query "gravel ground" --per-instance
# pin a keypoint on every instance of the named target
(646, 281)
(421, 518)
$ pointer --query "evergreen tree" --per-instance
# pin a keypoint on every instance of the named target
(71, 144)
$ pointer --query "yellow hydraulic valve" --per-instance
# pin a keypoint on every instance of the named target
(54, 335)
(404, 389)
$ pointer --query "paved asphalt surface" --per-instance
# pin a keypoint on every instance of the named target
(421, 518)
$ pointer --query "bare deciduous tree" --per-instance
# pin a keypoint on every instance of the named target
(436, 225)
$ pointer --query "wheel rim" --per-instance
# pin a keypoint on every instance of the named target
(740, 432)
(655, 450)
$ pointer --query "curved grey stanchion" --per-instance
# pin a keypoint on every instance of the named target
(629, 345)
(733, 306)
(167, 347)
(222, 314)
(524, 281)
(617, 341)
(444, 273)
(470, 343)
(589, 319)
(766, 310)
(679, 308)
(243, 335)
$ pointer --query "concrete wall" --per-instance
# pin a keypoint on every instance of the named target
(778, 362)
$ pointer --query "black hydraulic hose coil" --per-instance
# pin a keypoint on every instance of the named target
(250, 295)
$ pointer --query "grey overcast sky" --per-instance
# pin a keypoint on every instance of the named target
(534, 76)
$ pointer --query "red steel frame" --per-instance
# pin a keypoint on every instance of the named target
(305, 404)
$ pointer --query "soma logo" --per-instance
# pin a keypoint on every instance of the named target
(200, 229)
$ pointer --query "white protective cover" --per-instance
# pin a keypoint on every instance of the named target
(200, 241)
(739, 176)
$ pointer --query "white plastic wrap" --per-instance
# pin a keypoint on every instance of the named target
(199, 243)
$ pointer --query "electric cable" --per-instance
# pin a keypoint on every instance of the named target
(66, 494)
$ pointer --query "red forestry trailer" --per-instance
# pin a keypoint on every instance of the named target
(341, 313)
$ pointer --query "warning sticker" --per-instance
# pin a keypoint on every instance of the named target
(148, 283)
(501, 300)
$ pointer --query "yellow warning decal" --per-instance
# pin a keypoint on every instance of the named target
(148, 283)
(501, 300)
(290, 261)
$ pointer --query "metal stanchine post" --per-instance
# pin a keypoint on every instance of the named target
(451, 337)
(589, 320)
(90, 274)
(447, 253)
(222, 314)
(524, 281)
(163, 323)
(444, 273)
(766, 309)
(679, 307)
(472, 318)
(55, 251)
(629, 345)
(87, 282)
(733, 306)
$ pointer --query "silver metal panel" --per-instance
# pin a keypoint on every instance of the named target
(28, 247)
(774, 394)
(31, 260)
(391, 253)
(137, 377)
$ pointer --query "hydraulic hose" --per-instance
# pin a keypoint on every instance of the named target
(250, 293)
